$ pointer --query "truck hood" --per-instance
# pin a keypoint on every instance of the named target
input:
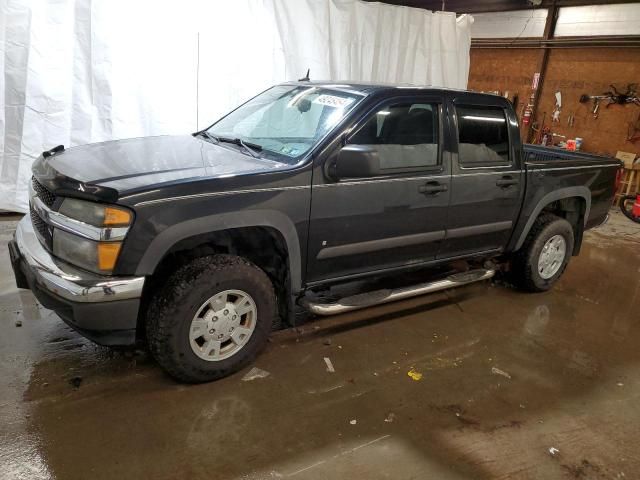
(137, 163)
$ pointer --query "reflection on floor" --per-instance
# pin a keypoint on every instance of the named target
(512, 385)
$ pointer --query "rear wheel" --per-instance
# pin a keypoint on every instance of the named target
(544, 255)
(212, 317)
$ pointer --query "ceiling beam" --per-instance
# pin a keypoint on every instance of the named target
(559, 42)
(463, 6)
(467, 6)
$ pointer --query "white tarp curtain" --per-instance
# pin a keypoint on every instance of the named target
(82, 71)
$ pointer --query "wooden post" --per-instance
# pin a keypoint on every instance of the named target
(549, 29)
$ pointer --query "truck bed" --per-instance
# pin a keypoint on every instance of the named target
(553, 174)
(538, 153)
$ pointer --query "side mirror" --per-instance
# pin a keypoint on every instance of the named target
(356, 161)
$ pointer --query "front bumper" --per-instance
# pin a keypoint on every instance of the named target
(104, 309)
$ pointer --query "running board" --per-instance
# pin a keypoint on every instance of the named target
(378, 297)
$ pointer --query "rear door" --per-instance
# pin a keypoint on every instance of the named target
(487, 182)
(396, 218)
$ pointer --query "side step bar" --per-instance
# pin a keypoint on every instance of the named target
(378, 297)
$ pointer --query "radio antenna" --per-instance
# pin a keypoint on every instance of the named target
(306, 77)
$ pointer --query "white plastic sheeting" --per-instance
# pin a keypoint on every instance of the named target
(82, 71)
(612, 19)
(515, 24)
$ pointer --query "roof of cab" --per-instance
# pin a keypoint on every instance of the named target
(366, 88)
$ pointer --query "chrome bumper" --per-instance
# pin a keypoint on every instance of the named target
(66, 281)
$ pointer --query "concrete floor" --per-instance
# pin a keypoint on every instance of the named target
(513, 385)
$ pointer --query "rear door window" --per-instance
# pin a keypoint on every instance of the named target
(483, 136)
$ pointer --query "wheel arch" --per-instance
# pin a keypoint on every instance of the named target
(581, 193)
(275, 222)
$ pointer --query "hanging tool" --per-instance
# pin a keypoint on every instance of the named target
(596, 102)
(570, 119)
(542, 127)
(546, 136)
(630, 96)
(555, 116)
(537, 129)
(613, 96)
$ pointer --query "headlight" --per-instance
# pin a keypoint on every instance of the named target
(89, 234)
(95, 214)
(99, 257)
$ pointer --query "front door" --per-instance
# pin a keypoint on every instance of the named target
(487, 181)
(392, 219)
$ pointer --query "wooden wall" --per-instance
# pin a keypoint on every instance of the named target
(503, 69)
(572, 72)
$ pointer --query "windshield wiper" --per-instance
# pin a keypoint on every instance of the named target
(252, 148)
(207, 135)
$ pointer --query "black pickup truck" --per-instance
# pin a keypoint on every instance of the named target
(201, 244)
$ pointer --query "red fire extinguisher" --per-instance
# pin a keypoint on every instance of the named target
(526, 116)
(635, 211)
(632, 213)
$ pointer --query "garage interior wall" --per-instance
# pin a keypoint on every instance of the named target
(572, 71)
(81, 71)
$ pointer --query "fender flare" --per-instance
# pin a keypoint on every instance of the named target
(170, 236)
(568, 192)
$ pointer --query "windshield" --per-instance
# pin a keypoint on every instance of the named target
(286, 121)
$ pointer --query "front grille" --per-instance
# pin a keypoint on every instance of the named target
(45, 195)
(44, 231)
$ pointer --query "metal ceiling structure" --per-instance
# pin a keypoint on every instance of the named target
(544, 43)
(467, 6)
(546, 40)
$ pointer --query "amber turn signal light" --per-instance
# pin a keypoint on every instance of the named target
(108, 254)
(115, 216)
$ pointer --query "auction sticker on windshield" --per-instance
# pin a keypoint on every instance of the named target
(333, 101)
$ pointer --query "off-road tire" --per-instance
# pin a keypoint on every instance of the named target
(524, 268)
(173, 307)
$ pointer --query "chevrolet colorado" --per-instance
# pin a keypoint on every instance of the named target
(202, 244)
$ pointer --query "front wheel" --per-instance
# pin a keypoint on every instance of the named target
(212, 318)
(540, 262)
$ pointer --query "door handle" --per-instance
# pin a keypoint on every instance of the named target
(506, 182)
(433, 188)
